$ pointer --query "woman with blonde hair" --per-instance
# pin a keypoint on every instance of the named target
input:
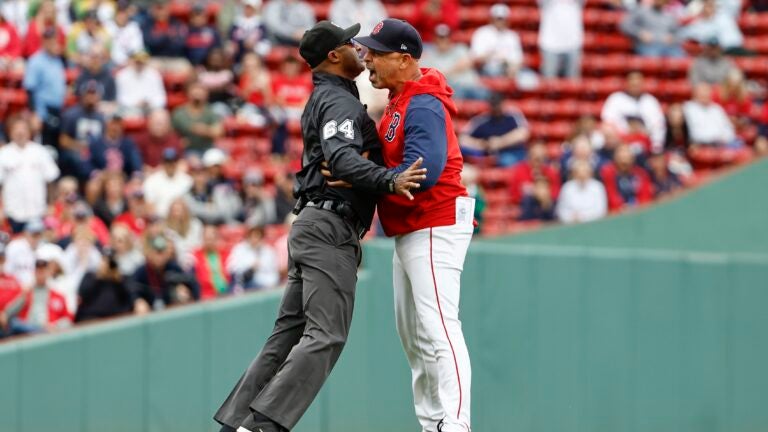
(185, 230)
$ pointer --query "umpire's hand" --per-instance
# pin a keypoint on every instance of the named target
(404, 182)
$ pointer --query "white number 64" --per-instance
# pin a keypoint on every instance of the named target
(346, 127)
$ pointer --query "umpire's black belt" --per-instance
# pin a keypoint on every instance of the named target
(342, 209)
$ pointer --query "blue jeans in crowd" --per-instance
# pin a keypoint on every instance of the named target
(568, 62)
(657, 49)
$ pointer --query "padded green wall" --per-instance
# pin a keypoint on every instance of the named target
(728, 215)
(613, 337)
(566, 339)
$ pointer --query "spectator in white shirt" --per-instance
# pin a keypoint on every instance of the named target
(252, 263)
(561, 34)
(22, 251)
(26, 168)
(140, 87)
(287, 20)
(126, 34)
(716, 24)
(453, 60)
(582, 199)
(635, 102)
(707, 121)
(345, 13)
(167, 184)
(495, 47)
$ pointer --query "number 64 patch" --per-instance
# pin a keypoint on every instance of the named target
(332, 128)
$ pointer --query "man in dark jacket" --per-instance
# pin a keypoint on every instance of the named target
(324, 243)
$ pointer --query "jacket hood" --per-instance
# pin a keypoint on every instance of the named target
(432, 82)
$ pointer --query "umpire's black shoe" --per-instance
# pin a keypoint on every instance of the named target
(256, 422)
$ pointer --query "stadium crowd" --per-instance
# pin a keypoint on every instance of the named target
(148, 146)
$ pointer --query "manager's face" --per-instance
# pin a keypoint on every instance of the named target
(384, 68)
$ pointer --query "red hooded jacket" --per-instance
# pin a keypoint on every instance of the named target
(417, 123)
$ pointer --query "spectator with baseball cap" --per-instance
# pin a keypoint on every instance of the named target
(210, 199)
(163, 186)
(453, 60)
(95, 68)
(710, 66)
(79, 125)
(26, 169)
(165, 38)
(201, 37)
(136, 217)
(84, 35)
(22, 251)
(125, 33)
(44, 309)
(140, 87)
(161, 282)
(502, 133)
(248, 33)
(258, 203)
(496, 48)
(114, 152)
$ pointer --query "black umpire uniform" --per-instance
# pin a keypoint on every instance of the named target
(323, 245)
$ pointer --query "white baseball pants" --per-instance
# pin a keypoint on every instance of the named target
(427, 267)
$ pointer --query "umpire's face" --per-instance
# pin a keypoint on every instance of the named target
(348, 54)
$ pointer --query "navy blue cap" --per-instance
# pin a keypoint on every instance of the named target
(170, 154)
(394, 35)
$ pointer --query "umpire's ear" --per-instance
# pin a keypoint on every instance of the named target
(334, 56)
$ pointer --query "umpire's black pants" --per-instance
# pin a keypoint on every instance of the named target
(312, 325)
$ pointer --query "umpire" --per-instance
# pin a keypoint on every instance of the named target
(324, 242)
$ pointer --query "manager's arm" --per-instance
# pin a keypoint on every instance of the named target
(425, 137)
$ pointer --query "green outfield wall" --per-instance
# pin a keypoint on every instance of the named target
(727, 215)
(562, 338)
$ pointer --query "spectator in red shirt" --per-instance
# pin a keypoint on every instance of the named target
(11, 300)
(735, 99)
(79, 215)
(291, 88)
(525, 174)
(429, 13)
(626, 184)
(210, 265)
(138, 215)
(157, 136)
(255, 85)
(44, 308)
(761, 143)
(637, 137)
(10, 47)
(44, 19)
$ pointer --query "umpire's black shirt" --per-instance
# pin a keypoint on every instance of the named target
(336, 128)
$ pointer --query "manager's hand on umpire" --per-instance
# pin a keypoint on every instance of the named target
(402, 183)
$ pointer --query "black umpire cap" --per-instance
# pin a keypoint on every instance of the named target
(394, 35)
(323, 38)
